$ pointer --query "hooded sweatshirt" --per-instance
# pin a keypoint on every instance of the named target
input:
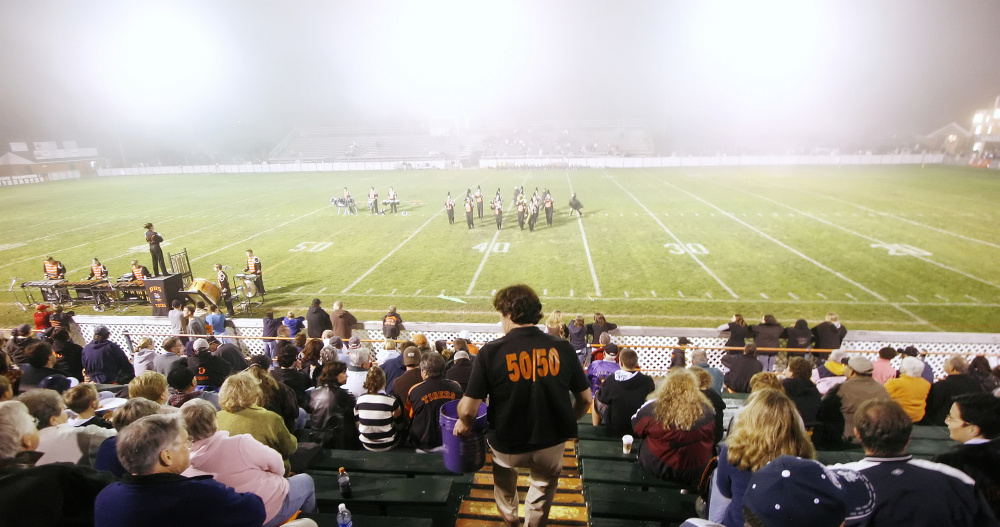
(105, 361)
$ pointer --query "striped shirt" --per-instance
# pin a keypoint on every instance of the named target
(375, 419)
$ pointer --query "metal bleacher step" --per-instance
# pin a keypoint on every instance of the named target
(478, 508)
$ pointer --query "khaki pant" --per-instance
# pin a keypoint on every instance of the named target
(544, 466)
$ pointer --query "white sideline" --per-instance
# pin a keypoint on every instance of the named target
(900, 218)
(586, 246)
(876, 240)
(838, 274)
(678, 240)
(386, 257)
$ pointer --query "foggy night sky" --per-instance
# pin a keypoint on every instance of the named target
(699, 72)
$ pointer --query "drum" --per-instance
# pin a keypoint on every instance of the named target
(209, 289)
(249, 284)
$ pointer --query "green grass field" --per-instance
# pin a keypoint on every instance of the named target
(888, 248)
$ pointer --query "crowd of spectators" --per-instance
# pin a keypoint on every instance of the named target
(200, 426)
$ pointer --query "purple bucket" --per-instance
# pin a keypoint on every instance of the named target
(463, 454)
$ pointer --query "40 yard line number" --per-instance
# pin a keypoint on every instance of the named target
(501, 247)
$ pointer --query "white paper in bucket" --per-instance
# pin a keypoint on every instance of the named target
(463, 454)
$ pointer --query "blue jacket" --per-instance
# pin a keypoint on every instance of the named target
(170, 500)
(105, 362)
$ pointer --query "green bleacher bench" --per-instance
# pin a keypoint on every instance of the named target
(833, 457)
(628, 503)
(382, 494)
(929, 447)
(392, 462)
(622, 473)
(930, 432)
(325, 519)
(591, 449)
(597, 433)
(615, 522)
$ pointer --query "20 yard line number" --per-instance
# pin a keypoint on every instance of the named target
(501, 247)
(313, 247)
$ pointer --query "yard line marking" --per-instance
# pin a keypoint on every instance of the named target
(876, 240)
(680, 294)
(941, 297)
(900, 218)
(299, 289)
(398, 247)
(418, 292)
(252, 236)
(370, 289)
(442, 292)
(709, 295)
(324, 289)
(678, 240)
(821, 295)
(545, 292)
(486, 254)
(807, 258)
(390, 293)
(653, 293)
(762, 295)
(570, 292)
(911, 297)
(974, 299)
(852, 297)
(494, 293)
(791, 294)
(626, 294)
(586, 246)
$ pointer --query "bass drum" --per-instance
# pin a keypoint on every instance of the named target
(211, 291)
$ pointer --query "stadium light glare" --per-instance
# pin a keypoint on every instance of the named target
(159, 59)
(996, 113)
(978, 118)
(979, 129)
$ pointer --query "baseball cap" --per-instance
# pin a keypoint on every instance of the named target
(201, 344)
(461, 354)
(59, 383)
(611, 349)
(354, 342)
(860, 364)
(791, 492)
(261, 360)
(103, 331)
(411, 356)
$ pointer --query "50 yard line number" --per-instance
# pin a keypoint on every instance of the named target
(313, 247)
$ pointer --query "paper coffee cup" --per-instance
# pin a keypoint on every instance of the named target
(626, 444)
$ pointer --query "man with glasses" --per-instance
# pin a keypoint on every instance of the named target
(974, 421)
(155, 450)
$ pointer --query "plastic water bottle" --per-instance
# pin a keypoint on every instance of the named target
(344, 517)
(345, 484)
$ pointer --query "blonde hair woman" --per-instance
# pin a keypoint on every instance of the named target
(679, 427)
(554, 325)
(769, 426)
(142, 358)
(241, 413)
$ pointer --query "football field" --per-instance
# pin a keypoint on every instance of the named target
(887, 248)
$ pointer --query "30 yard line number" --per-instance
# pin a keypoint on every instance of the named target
(693, 248)
(313, 247)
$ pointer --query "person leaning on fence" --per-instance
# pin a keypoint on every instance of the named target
(531, 414)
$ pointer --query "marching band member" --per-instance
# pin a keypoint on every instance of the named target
(575, 205)
(521, 206)
(532, 214)
(548, 208)
(347, 195)
(393, 200)
(254, 267)
(97, 270)
(139, 272)
(373, 201)
(498, 211)
(53, 269)
(153, 239)
(449, 205)
(227, 293)
(479, 201)
(468, 212)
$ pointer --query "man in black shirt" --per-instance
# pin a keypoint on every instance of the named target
(208, 369)
(621, 395)
(529, 377)
(154, 239)
(425, 400)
